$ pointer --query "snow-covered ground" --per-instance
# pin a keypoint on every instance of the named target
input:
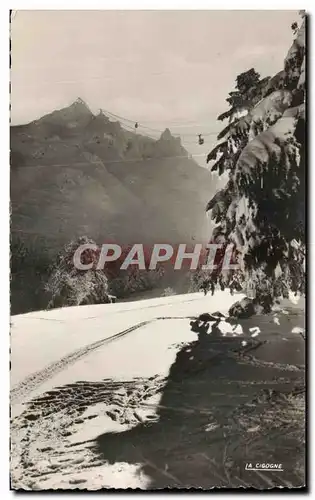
(42, 337)
(81, 373)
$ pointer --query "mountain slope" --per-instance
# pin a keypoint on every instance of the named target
(74, 173)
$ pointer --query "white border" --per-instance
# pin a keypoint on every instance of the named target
(162, 5)
(4, 280)
(4, 184)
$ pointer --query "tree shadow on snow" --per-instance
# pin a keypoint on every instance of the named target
(212, 418)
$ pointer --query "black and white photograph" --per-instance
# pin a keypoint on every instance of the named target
(158, 188)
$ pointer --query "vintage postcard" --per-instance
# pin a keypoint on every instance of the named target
(157, 183)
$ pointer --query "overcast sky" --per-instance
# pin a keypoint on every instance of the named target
(161, 68)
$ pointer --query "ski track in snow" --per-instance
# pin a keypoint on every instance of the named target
(30, 383)
(53, 439)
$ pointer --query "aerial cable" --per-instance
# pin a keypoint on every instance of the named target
(136, 125)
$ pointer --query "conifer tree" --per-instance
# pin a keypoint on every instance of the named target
(69, 286)
(261, 210)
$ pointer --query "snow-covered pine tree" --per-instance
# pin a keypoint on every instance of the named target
(261, 210)
(68, 286)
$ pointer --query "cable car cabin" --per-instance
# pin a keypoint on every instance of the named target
(136, 125)
(200, 140)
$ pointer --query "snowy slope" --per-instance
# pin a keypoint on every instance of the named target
(42, 337)
(79, 372)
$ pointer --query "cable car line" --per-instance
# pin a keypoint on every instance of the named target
(137, 124)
